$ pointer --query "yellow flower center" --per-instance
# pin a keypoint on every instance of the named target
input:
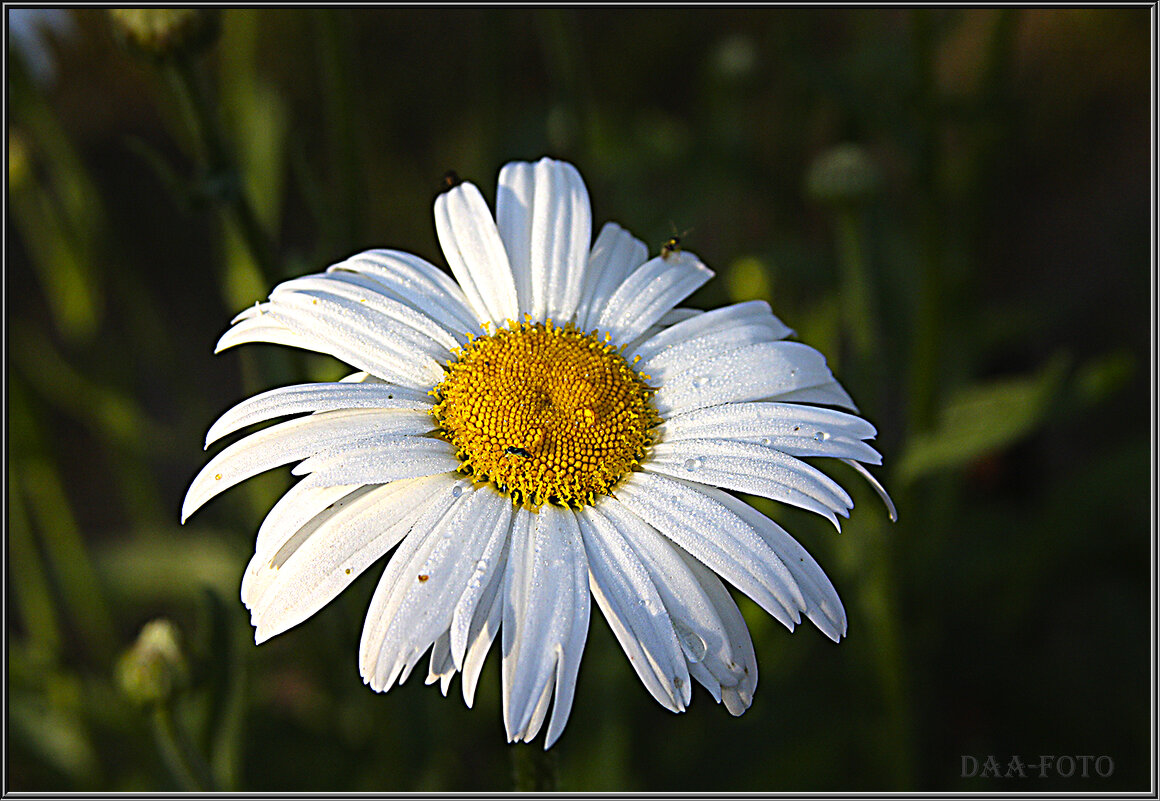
(547, 414)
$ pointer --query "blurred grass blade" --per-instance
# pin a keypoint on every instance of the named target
(67, 555)
(56, 207)
(31, 589)
(63, 260)
(225, 683)
(113, 415)
(55, 736)
(981, 419)
(167, 564)
(342, 227)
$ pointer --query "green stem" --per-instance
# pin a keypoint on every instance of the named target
(32, 594)
(858, 304)
(927, 341)
(181, 758)
(334, 33)
(68, 555)
(534, 770)
(221, 175)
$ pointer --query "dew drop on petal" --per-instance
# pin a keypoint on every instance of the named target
(766, 441)
(456, 491)
(821, 436)
(692, 464)
(691, 643)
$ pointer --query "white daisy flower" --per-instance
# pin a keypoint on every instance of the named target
(544, 429)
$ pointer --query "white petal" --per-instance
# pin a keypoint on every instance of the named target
(294, 510)
(751, 312)
(322, 397)
(671, 317)
(651, 290)
(426, 586)
(382, 662)
(675, 359)
(279, 533)
(489, 557)
(736, 690)
(712, 633)
(484, 626)
(829, 392)
(418, 283)
(765, 371)
(545, 619)
(757, 469)
(718, 538)
(615, 254)
(378, 458)
(475, 253)
(284, 443)
(442, 668)
(823, 606)
(262, 328)
(426, 590)
(373, 342)
(877, 487)
(545, 221)
(513, 216)
(337, 551)
(791, 428)
(625, 593)
(373, 299)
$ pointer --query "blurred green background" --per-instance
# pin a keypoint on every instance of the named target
(953, 205)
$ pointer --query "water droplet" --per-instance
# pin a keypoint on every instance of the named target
(691, 643)
(481, 565)
(692, 464)
(700, 381)
(766, 441)
(456, 491)
(821, 436)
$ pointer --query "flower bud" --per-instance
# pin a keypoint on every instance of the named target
(154, 667)
(164, 33)
(843, 175)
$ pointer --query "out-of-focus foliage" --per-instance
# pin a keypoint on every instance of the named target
(953, 205)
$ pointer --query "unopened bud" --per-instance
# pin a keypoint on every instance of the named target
(154, 667)
(844, 174)
(164, 33)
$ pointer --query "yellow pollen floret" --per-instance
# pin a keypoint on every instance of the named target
(546, 414)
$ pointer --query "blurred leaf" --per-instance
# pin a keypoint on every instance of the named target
(55, 736)
(174, 184)
(56, 207)
(254, 114)
(67, 554)
(63, 261)
(32, 592)
(45, 714)
(221, 657)
(112, 414)
(981, 419)
(1101, 378)
(144, 569)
